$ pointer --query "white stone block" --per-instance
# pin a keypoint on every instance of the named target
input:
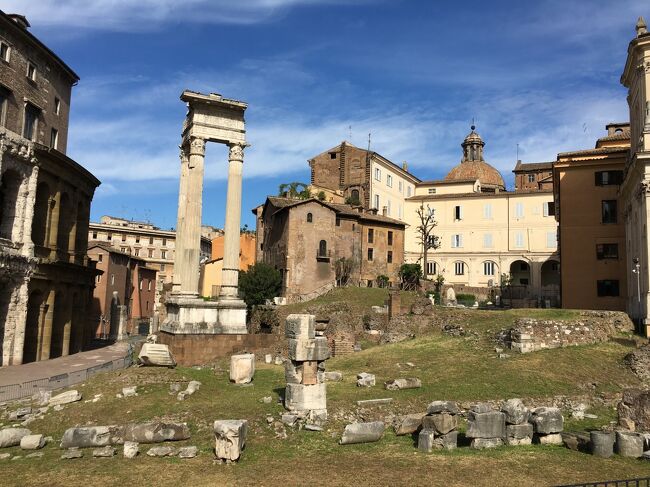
(242, 368)
(307, 349)
(230, 438)
(300, 326)
(300, 397)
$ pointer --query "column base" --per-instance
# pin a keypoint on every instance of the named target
(194, 316)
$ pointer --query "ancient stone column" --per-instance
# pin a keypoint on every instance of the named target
(230, 270)
(28, 247)
(47, 329)
(55, 204)
(182, 198)
(188, 232)
(67, 326)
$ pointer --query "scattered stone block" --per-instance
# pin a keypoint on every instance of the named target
(267, 399)
(374, 402)
(447, 441)
(486, 424)
(230, 438)
(482, 443)
(72, 453)
(443, 407)
(156, 432)
(519, 431)
(313, 427)
(408, 424)
(42, 397)
(602, 443)
(192, 387)
(12, 436)
(90, 436)
(65, 398)
(406, 383)
(333, 376)
(365, 380)
(5, 456)
(576, 441)
(36, 454)
(299, 397)
(242, 368)
(300, 326)
(131, 449)
(162, 451)
(20, 413)
(510, 441)
(308, 349)
(441, 423)
(547, 420)
(156, 354)
(426, 438)
(278, 360)
(362, 433)
(515, 411)
(105, 452)
(268, 358)
(32, 442)
(129, 391)
(629, 444)
(289, 419)
(550, 439)
(188, 452)
(481, 407)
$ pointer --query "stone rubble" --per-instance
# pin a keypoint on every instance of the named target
(192, 387)
(32, 442)
(485, 426)
(12, 436)
(333, 376)
(365, 380)
(129, 391)
(629, 444)
(131, 449)
(548, 423)
(65, 398)
(518, 430)
(408, 424)
(362, 433)
(90, 436)
(156, 432)
(162, 451)
(105, 452)
(72, 453)
(374, 402)
(188, 452)
(230, 438)
(405, 383)
(438, 427)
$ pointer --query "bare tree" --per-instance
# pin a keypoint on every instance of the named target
(427, 239)
(343, 269)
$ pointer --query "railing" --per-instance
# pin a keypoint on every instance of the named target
(29, 388)
(641, 482)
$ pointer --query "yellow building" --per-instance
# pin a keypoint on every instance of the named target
(211, 269)
(486, 231)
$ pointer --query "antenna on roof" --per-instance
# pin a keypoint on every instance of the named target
(350, 127)
(517, 152)
(369, 133)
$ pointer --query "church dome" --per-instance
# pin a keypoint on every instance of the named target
(473, 166)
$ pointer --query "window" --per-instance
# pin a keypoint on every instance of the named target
(147, 305)
(4, 102)
(607, 251)
(57, 106)
(400, 187)
(150, 253)
(609, 211)
(164, 242)
(519, 240)
(332, 155)
(322, 248)
(100, 257)
(31, 71)
(30, 121)
(94, 235)
(390, 237)
(431, 240)
(489, 268)
(338, 221)
(112, 279)
(531, 178)
(162, 267)
(354, 196)
(124, 237)
(98, 279)
(150, 240)
(432, 268)
(310, 218)
(370, 254)
(163, 254)
(137, 239)
(109, 237)
(141, 284)
(371, 235)
(458, 212)
(432, 191)
(408, 191)
(377, 201)
(549, 208)
(519, 210)
(606, 178)
(487, 240)
(551, 239)
(4, 52)
(487, 211)
(456, 241)
(389, 180)
(378, 174)
(123, 249)
(399, 212)
(459, 268)
(149, 285)
(136, 252)
(607, 287)
(389, 257)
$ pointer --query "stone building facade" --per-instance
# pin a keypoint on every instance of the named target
(533, 176)
(304, 240)
(45, 279)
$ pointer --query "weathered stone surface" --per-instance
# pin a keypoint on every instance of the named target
(550, 439)
(486, 425)
(175, 387)
(442, 423)
(230, 438)
(292, 372)
(528, 440)
(12, 436)
(242, 368)
(300, 326)
(162, 451)
(547, 420)
(72, 453)
(268, 358)
(36, 454)
(602, 443)
(481, 407)
(635, 407)
(481, 443)
(375, 402)
(365, 380)
(299, 397)
(443, 407)
(42, 397)
(408, 424)
(105, 452)
(5, 456)
(156, 432)
(577, 441)
(405, 383)
(32, 442)
(362, 433)
(156, 354)
(519, 431)
(129, 391)
(65, 398)
(131, 449)
(188, 452)
(19, 413)
(426, 438)
(92, 436)
(289, 419)
(308, 349)
(447, 441)
(515, 411)
(629, 444)
(333, 376)
(192, 387)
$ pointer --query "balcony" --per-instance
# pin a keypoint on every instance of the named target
(323, 256)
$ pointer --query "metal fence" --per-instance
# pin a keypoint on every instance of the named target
(642, 482)
(29, 388)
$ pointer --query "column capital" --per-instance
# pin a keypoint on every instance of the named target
(236, 152)
(184, 153)
(197, 147)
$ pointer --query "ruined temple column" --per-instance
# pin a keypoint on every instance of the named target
(182, 198)
(47, 329)
(230, 270)
(28, 247)
(188, 232)
(20, 322)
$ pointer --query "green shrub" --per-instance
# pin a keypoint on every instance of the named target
(466, 298)
(259, 283)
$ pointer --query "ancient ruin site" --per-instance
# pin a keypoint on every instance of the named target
(196, 290)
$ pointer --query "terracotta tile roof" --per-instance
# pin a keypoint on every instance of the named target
(532, 166)
(598, 151)
(476, 170)
(445, 181)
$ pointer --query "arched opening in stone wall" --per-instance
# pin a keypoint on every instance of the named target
(41, 207)
(520, 273)
(65, 223)
(81, 237)
(9, 188)
(551, 273)
(58, 325)
(5, 297)
(32, 324)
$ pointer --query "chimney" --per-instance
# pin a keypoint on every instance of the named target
(384, 211)
(21, 20)
(405, 166)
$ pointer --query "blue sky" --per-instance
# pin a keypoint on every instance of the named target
(543, 74)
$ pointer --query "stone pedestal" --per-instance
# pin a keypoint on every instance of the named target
(194, 316)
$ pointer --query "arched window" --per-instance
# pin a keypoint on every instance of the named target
(354, 197)
(9, 189)
(322, 248)
(310, 218)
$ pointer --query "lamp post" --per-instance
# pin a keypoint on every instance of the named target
(637, 270)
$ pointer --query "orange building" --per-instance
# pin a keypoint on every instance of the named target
(211, 269)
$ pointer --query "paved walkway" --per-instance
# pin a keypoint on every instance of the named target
(18, 374)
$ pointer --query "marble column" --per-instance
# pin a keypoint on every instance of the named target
(230, 270)
(182, 199)
(28, 247)
(188, 233)
(20, 322)
(47, 329)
